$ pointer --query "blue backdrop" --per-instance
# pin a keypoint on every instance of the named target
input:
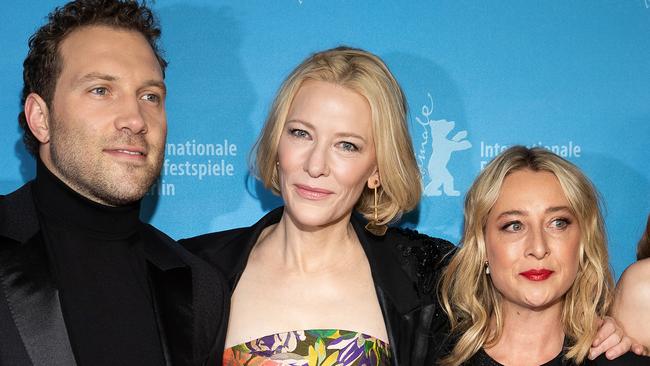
(573, 76)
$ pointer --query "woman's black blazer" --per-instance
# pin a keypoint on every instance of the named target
(405, 267)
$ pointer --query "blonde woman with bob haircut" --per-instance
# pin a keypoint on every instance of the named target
(531, 280)
(368, 76)
(323, 280)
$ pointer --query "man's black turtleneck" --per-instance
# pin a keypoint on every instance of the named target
(96, 257)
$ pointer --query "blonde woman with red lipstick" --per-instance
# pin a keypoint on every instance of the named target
(531, 280)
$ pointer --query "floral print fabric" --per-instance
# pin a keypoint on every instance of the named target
(320, 347)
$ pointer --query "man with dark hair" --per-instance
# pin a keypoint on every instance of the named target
(82, 280)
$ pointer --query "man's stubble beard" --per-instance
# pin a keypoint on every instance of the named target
(86, 175)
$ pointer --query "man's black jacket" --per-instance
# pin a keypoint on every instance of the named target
(190, 298)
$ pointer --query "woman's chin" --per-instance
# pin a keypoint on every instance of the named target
(540, 302)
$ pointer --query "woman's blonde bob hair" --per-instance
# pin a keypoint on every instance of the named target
(467, 293)
(367, 75)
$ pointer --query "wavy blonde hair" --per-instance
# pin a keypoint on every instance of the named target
(367, 75)
(468, 295)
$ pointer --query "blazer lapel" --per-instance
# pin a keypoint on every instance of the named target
(34, 303)
(400, 303)
(28, 285)
(171, 285)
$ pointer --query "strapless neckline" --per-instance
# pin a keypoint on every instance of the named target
(320, 347)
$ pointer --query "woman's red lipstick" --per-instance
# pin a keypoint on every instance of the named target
(537, 274)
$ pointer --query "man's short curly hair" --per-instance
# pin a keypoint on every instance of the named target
(43, 65)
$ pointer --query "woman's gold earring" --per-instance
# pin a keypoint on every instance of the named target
(374, 226)
(487, 267)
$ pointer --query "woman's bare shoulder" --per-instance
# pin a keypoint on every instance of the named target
(632, 301)
(636, 278)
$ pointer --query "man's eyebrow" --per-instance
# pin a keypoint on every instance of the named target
(95, 76)
(107, 77)
(157, 84)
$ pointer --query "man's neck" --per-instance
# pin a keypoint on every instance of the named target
(60, 203)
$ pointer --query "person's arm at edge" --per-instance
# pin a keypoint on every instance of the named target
(631, 304)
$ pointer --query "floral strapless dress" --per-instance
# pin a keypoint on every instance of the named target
(316, 347)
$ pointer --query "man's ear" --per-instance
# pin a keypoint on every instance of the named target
(38, 117)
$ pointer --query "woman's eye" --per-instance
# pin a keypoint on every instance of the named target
(560, 223)
(513, 227)
(298, 133)
(348, 146)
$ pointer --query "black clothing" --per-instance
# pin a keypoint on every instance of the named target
(86, 284)
(481, 358)
(629, 359)
(95, 252)
(404, 265)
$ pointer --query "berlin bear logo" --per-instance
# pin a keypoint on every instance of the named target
(436, 131)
